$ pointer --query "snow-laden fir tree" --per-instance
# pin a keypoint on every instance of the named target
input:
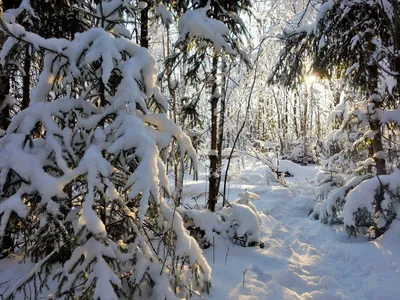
(82, 172)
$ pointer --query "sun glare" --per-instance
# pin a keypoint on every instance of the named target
(310, 79)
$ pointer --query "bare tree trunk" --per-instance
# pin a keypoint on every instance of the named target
(267, 132)
(221, 121)
(26, 79)
(179, 181)
(305, 131)
(319, 137)
(173, 115)
(4, 91)
(144, 27)
(259, 120)
(213, 155)
(279, 120)
(286, 126)
(296, 129)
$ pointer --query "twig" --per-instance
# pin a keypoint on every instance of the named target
(244, 275)
(171, 231)
(213, 250)
(226, 255)
(4, 282)
(193, 292)
(245, 118)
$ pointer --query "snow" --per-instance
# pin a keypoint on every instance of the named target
(302, 258)
(196, 24)
(205, 220)
(212, 153)
(142, 4)
(364, 194)
(9, 205)
(337, 195)
(92, 250)
(162, 12)
(296, 170)
(245, 199)
(185, 244)
(245, 222)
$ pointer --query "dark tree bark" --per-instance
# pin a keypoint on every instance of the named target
(26, 81)
(144, 27)
(286, 125)
(296, 129)
(221, 123)
(213, 180)
(4, 90)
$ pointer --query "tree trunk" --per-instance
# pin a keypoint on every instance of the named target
(221, 121)
(26, 79)
(4, 91)
(213, 180)
(285, 128)
(305, 137)
(171, 90)
(278, 131)
(319, 137)
(296, 130)
(144, 27)
(374, 122)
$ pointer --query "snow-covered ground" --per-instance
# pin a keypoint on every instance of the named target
(302, 258)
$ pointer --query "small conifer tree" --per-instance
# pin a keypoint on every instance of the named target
(81, 170)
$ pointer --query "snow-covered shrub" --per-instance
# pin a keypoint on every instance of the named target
(361, 203)
(295, 152)
(242, 224)
(332, 205)
(245, 197)
(241, 220)
(373, 203)
(201, 224)
(81, 169)
(327, 181)
(352, 157)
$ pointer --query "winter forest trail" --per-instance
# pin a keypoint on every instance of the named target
(302, 258)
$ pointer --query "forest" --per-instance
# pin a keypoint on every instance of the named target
(199, 149)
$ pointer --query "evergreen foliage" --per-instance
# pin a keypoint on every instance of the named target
(82, 172)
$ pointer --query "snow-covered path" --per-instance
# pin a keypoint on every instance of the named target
(302, 258)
